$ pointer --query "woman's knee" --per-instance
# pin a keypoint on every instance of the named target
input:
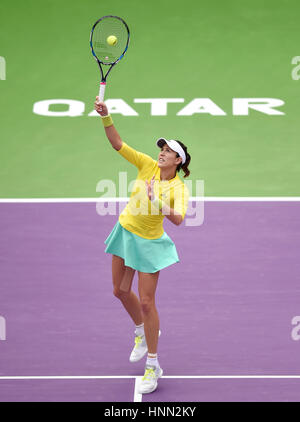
(147, 304)
(120, 294)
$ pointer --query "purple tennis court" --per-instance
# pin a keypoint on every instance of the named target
(226, 309)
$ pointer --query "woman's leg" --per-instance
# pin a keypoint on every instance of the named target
(147, 288)
(123, 275)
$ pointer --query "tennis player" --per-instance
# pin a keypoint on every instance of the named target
(138, 241)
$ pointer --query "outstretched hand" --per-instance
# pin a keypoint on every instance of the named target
(150, 188)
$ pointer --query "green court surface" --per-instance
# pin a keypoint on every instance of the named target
(186, 50)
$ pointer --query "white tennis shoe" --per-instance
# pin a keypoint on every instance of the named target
(140, 348)
(148, 383)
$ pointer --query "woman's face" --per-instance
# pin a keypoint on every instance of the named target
(167, 157)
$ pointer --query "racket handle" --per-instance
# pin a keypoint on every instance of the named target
(102, 91)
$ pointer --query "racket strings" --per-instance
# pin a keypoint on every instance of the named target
(106, 53)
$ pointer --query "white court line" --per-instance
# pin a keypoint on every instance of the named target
(138, 398)
(59, 377)
(125, 199)
(65, 377)
(232, 376)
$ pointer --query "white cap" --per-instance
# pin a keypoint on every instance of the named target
(174, 145)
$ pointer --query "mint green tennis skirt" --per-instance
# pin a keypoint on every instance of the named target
(145, 255)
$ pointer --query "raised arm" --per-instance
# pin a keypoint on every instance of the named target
(111, 132)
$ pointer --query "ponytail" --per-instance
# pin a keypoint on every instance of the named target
(184, 167)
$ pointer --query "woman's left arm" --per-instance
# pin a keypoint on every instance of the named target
(171, 214)
(174, 216)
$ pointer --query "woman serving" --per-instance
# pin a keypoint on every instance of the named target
(138, 241)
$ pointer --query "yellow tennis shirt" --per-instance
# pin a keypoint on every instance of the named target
(140, 216)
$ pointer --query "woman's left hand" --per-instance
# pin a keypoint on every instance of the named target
(150, 188)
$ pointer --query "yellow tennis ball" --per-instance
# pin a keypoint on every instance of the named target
(112, 40)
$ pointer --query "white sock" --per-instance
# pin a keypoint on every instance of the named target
(153, 360)
(139, 330)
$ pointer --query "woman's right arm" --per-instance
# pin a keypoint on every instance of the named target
(111, 132)
(136, 158)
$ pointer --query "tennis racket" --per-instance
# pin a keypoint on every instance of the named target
(109, 42)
